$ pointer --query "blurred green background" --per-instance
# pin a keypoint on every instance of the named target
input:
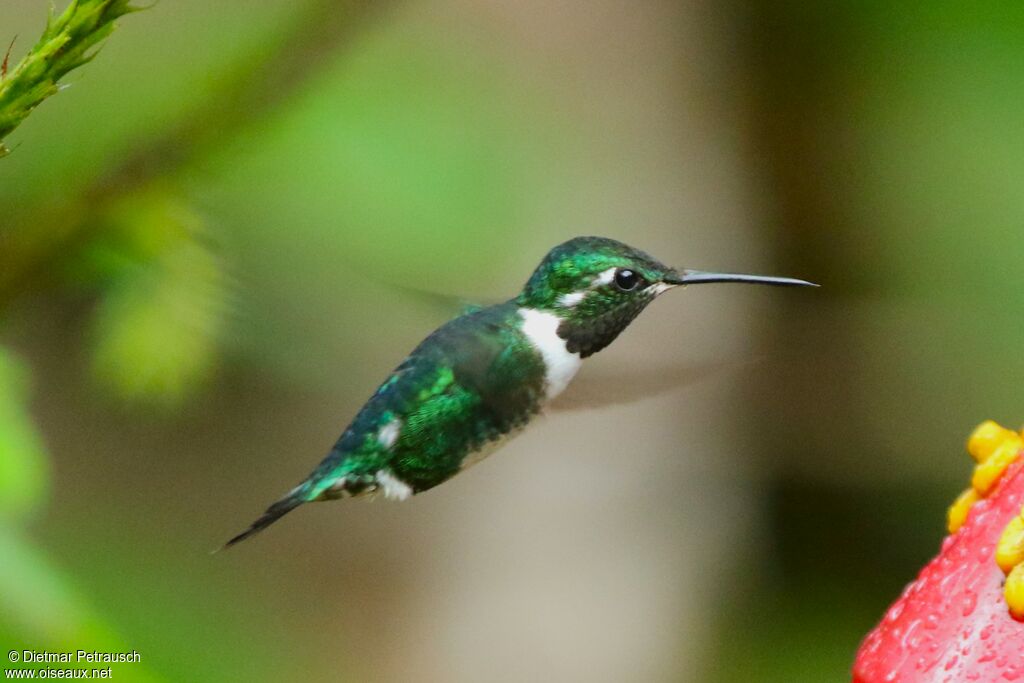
(235, 221)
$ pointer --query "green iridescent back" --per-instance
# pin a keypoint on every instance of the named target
(474, 380)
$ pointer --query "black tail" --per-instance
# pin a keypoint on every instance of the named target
(275, 512)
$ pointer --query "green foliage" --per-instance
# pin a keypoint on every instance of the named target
(67, 43)
(160, 319)
(23, 463)
(40, 608)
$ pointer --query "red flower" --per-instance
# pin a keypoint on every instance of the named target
(963, 618)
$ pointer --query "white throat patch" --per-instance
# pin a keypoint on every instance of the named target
(541, 328)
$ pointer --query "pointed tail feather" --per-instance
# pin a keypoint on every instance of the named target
(294, 499)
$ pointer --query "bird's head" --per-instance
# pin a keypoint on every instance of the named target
(597, 286)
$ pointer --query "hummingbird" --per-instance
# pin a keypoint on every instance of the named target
(480, 378)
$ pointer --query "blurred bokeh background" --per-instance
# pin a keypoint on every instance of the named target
(212, 247)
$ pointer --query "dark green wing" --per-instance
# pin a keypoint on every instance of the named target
(472, 381)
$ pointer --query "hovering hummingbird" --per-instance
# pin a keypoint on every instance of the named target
(480, 378)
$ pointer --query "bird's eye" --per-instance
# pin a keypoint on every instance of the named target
(627, 280)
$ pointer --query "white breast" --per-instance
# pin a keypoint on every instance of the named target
(541, 327)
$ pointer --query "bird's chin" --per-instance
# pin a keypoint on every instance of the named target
(662, 287)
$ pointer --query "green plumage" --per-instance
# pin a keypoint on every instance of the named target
(471, 382)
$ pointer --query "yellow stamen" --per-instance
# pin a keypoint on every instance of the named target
(957, 513)
(995, 448)
(1013, 591)
(985, 438)
(1010, 551)
(987, 472)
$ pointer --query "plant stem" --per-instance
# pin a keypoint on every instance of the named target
(249, 92)
(67, 43)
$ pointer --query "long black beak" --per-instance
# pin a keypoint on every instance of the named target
(700, 277)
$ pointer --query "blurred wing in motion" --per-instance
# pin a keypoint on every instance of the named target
(444, 306)
(618, 387)
(589, 390)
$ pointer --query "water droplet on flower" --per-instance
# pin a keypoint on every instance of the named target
(895, 612)
(970, 601)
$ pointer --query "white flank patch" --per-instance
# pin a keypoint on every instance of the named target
(388, 434)
(393, 486)
(541, 328)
